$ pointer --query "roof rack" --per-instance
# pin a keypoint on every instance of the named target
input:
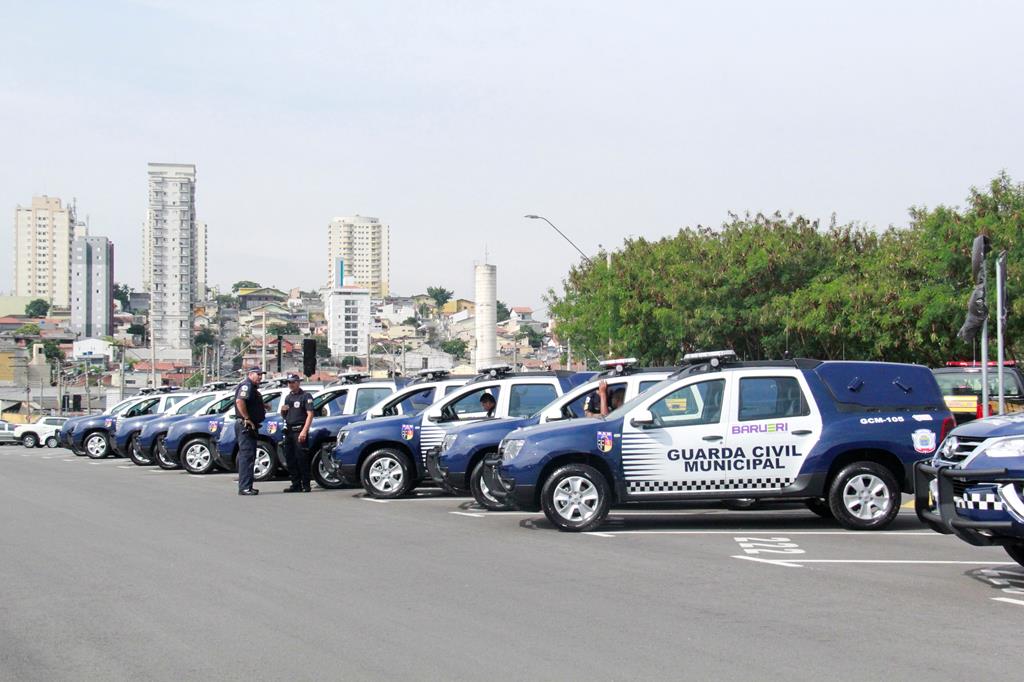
(618, 365)
(350, 378)
(431, 375)
(494, 370)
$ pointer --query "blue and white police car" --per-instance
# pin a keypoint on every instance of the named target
(843, 436)
(388, 455)
(458, 463)
(974, 485)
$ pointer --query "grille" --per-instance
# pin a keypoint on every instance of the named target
(965, 445)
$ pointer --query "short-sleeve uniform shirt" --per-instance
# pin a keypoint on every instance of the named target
(296, 407)
(250, 395)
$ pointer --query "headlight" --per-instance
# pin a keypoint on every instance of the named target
(1008, 447)
(448, 441)
(511, 448)
(947, 447)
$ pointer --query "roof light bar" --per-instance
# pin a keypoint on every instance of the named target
(618, 365)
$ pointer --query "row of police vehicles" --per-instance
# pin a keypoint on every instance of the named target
(846, 439)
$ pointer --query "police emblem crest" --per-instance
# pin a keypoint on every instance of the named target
(604, 441)
(272, 428)
(212, 426)
(407, 432)
(924, 441)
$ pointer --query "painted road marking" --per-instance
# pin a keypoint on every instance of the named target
(855, 533)
(372, 499)
(772, 545)
(71, 460)
(124, 466)
(1006, 600)
(798, 563)
(460, 513)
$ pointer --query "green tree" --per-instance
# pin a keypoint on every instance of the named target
(226, 300)
(504, 312)
(322, 349)
(440, 295)
(411, 320)
(286, 328)
(37, 308)
(28, 329)
(455, 347)
(137, 329)
(52, 350)
(205, 337)
(350, 360)
(244, 284)
(122, 293)
(533, 337)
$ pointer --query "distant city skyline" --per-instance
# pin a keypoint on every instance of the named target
(453, 121)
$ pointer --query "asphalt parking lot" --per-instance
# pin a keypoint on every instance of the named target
(112, 571)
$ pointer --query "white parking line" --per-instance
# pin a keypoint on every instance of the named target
(798, 563)
(71, 460)
(471, 514)
(124, 466)
(1006, 600)
(373, 499)
(854, 533)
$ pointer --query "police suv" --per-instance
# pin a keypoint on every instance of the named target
(148, 441)
(974, 485)
(127, 429)
(388, 455)
(429, 386)
(843, 436)
(95, 435)
(457, 464)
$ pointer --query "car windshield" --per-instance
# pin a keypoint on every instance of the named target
(193, 406)
(969, 383)
(627, 406)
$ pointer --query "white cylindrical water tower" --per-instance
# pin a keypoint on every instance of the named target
(486, 315)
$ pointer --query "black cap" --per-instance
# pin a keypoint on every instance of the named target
(293, 377)
(257, 369)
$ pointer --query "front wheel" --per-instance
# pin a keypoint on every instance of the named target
(324, 477)
(197, 456)
(30, 440)
(135, 452)
(481, 492)
(266, 463)
(1016, 552)
(576, 497)
(51, 442)
(96, 445)
(864, 496)
(386, 474)
(164, 459)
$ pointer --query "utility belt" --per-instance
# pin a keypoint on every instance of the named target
(293, 428)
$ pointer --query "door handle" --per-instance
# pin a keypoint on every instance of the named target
(803, 432)
(712, 438)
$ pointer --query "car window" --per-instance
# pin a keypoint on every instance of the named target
(525, 399)
(969, 383)
(771, 398)
(644, 385)
(330, 403)
(174, 400)
(468, 406)
(693, 404)
(52, 422)
(220, 406)
(193, 406)
(272, 401)
(368, 397)
(589, 403)
(142, 408)
(412, 402)
(448, 389)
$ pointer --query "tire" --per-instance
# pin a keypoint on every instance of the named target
(576, 498)
(266, 462)
(162, 457)
(97, 445)
(386, 474)
(819, 506)
(864, 496)
(197, 455)
(324, 478)
(135, 453)
(1016, 552)
(30, 440)
(481, 493)
(51, 442)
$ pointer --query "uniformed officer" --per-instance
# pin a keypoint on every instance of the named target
(488, 403)
(249, 414)
(297, 411)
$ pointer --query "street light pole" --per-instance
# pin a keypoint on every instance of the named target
(530, 216)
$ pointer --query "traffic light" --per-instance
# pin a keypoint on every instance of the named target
(977, 306)
(280, 342)
(309, 357)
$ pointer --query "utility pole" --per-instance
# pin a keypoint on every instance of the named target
(568, 354)
(205, 348)
(152, 351)
(60, 389)
(88, 396)
(1000, 318)
(121, 389)
(263, 364)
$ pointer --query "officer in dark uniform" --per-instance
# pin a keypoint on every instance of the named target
(249, 414)
(297, 411)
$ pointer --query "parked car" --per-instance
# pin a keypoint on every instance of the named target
(974, 485)
(44, 431)
(136, 436)
(960, 383)
(388, 455)
(7, 436)
(94, 435)
(65, 437)
(457, 464)
(841, 436)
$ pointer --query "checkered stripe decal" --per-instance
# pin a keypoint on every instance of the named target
(978, 502)
(641, 487)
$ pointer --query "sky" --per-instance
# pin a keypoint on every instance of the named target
(451, 120)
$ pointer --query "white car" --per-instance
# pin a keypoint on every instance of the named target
(42, 432)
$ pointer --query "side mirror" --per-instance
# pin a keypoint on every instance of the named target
(552, 414)
(375, 413)
(642, 419)
(434, 414)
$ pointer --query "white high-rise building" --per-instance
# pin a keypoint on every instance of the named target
(347, 310)
(201, 256)
(359, 248)
(92, 286)
(43, 232)
(169, 257)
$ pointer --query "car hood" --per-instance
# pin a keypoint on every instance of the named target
(102, 420)
(992, 427)
(141, 420)
(383, 423)
(584, 426)
(500, 425)
(196, 423)
(164, 421)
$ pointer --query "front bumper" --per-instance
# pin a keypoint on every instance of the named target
(450, 481)
(935, 504)
(507, 490)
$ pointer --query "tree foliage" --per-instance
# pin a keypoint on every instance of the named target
(286, 328)
(504, 312)
(205, 337)
(455, 347)
(122, 293)
(37, 308)
(28, 329)
(440, 295)
(244, 284)
(765, 285)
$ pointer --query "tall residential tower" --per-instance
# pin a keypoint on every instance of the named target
(363, 247)
(43, 232)
(169, 257)
(92, 287)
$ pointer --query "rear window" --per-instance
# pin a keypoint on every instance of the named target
(525, 399)
(368, 397)
(969, 383)
(771, 398)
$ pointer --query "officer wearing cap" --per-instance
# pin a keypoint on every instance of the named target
(249, 414)
(297, 412)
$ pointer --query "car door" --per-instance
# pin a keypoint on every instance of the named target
(460, 408)
(525, 398)
(677, 441)
(774, 423)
